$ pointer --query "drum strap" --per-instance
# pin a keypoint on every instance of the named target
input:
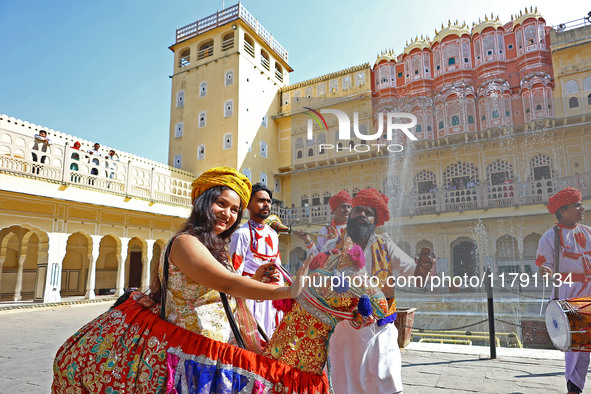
(556, 249)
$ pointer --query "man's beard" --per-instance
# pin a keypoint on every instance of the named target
(262, 215)
(359, 229)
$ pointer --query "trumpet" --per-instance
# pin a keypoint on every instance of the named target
(274, 222)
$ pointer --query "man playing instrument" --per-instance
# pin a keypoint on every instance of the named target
(368, 359)
(571, 241)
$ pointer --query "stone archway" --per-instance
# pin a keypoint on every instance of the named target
(76, 264)
(465, 259)
(23, 261)
(107, 265)
(136, 259)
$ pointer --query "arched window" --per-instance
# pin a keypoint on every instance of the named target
(495, 113)
(278, 72)
(205, 50)
(470, 119)
(228, 108)
(440, 125)
(185, 58)
(455, 120)
(229, 79)
(315, 199)
(265, 59)
(227, 141)
(228, 41)
(310, 152)
(304, 200)
(299, 155)
(451, 61)
(573, 102)
(589, 99)
(248, 45)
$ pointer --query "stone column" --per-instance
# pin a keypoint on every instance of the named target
(55, 257)
(146, 269)
(91, 280)
(121, 268)
(1, 267)
(19, 277)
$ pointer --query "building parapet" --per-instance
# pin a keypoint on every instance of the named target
(59, 138)
(57, 163)
(225, 16)
(326, 77)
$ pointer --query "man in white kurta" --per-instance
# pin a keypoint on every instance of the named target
(574, 245)
(367, 360)
(253, 244)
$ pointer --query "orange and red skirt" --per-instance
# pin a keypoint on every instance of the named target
(130, 349)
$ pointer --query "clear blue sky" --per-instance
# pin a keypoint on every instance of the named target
(99, 70)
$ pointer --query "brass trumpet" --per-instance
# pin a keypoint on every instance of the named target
(274, 222)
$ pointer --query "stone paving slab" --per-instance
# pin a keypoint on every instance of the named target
(463, 369)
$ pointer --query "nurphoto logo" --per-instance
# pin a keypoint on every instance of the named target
(390, 121)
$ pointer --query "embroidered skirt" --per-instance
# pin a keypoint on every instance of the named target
(130, 349)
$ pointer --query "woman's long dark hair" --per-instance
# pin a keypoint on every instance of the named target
(201, 224)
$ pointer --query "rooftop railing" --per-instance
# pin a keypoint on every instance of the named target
(224, 16)
(574, 24)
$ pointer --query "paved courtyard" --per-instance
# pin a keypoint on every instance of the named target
(30, 338)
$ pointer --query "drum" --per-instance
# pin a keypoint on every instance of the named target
(569, 324)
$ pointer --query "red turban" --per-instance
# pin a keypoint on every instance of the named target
(374, 199)
(564, 197)
(341, 197)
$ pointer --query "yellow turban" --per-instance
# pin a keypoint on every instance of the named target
(223, 176)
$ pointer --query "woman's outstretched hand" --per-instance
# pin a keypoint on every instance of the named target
(267, 273)
(299, 282)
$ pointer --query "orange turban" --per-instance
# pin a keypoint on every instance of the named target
(374, 199)
(341, 197)
(223, 176)
(564, 197)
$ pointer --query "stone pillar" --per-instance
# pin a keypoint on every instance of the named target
(90, 283)
(121, 268)
(19, 277)
(55, 258)
(146, 269)
(1, 266)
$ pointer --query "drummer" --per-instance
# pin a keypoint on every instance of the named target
(573, 241)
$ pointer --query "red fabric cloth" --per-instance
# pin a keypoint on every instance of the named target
(564, 197)
(372, 198)
(127, 348)
(338, 199)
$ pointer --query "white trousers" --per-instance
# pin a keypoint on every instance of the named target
(576, 365)
(365, 360)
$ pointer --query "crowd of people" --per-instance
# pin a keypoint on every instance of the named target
(209, 314)
(42, 143)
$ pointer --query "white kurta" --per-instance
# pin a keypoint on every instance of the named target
(324, 235)
(252, 245)
(574, 244)
(368, 360)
